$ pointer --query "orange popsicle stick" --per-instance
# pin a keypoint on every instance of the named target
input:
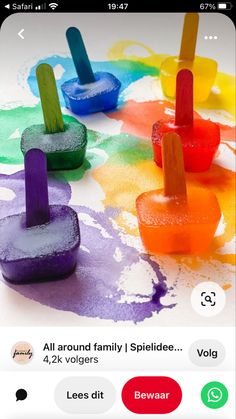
(189, 37)
(184, 98)
(173, 166)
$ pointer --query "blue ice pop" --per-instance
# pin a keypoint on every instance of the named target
(89, 92)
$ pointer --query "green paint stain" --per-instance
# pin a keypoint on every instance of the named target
(91, 160)
(10, 121)
(126, 149)
(18, 119)
(121, 149)
(73, 175)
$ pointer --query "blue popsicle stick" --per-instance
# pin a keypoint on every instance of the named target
(80, 56)
(36, 188)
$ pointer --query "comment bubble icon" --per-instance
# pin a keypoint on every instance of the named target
(21, 394)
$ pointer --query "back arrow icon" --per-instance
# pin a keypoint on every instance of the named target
(20, 34)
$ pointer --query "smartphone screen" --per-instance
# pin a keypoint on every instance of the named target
(117, 211)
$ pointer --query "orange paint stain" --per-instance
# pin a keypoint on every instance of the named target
(227, 132)
(217, 178)
(230, 147)
(139, 117)
(226, 287)
(225, 258)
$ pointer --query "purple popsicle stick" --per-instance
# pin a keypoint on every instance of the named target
(36, 188)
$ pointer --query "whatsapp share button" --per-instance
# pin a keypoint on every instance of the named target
(214, 395)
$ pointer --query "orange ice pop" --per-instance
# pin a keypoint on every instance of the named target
(172, 219)
(203, 69)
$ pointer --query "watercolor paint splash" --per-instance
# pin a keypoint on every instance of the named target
(115, 278)
(12, 199)
(95, 289)
(126, 71)
(12, 124)
(138, 117)
(222, 96)
(128, 184)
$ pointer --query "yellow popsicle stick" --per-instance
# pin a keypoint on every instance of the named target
(189, 37)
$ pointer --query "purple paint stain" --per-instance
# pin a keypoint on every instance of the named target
(58, 191)
(93, 290)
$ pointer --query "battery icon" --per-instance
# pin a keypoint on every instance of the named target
(224, 6)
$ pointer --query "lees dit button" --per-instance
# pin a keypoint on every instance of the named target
(151, 395)
(85, 395)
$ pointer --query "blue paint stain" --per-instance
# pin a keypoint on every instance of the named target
(126, 71)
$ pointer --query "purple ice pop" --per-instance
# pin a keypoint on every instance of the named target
(41, 243)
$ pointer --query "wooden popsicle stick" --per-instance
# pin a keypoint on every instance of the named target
(80, 56)
(184, 98)
(36, 188)
(52, 114)
(173, 166)
(189, 37)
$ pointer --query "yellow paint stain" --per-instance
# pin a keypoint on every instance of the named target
(122, 222)
(127, 182)
(222, 96)
(118, 52)
(223, 93)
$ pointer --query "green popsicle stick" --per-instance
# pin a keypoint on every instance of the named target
(52, 114)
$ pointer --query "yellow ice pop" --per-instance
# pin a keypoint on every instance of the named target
(204, 69)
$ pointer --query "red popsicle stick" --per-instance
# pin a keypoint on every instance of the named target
(184, 98)
(173, 166)
(36, 188)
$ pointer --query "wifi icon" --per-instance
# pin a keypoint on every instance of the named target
(53, 6)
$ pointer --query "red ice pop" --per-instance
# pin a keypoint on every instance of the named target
(42, 243)
(200, 138)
